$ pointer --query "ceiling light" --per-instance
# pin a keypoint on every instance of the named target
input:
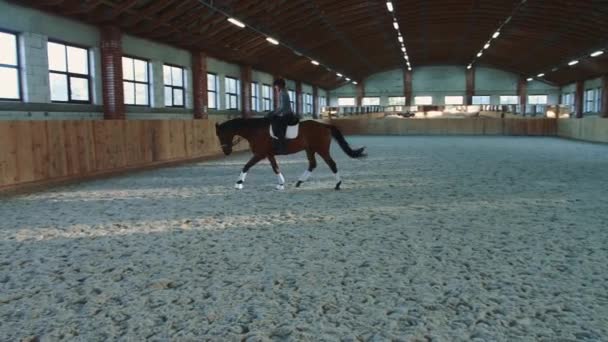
(339, 74)
(354, 82)
(486, 46)
(540, 75)
(407, 58)
(469, 66)
(348, 79)
(573, 63)
(530, 79)
(597, 53)
(389, 5)
(403, 49)
(272, 41)
(396, 25)
(409, 68)
(236, 22)
(401, 39)
(314, 62)
(479, 54)
(496, 34)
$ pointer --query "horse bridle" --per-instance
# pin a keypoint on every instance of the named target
(232, 143)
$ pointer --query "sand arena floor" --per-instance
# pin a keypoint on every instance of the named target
(431, 239)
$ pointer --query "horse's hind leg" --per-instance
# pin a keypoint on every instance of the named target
(334, 168)
(275, 168)
(254, 160)
(312, 164)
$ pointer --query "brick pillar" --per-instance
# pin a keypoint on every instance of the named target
(315, 102)
(299, 98)
(579, 98)
(199, 85)
(604, 103)
(522, 92)
(360, 93)
(470, 86)
(407, 87)
(246, 77)
(111, 73)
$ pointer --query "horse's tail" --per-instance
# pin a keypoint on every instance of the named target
(357, 153)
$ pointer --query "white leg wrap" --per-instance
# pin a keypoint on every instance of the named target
(239, 183)
(304, 177)
(338, 179)
(281, 179)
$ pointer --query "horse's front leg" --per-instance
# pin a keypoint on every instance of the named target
(275, 168)
(254, 160)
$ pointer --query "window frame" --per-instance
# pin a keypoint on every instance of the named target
(255, 96)
(269, 98)
(230, 95)
(508, 104)
(453, 97)
(423, 104)
(370, 97)
(148, 84)
(17, 67)
(322, 104)
(183, 87)
(535, 98)
(292, 100)
(397, 97)
(307, 103)
(214, 92)
(347, 97)
(488, 97)
(69, 74)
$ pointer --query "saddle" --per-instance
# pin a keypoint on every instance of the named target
(291, 133)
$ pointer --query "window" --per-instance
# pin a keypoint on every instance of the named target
(371, 101)
(136, 81)
(481, 100)
(307, 104)
(346, 101)
(592, 100)
(266, 97)
(232, 93)
(68, 73)
(537, 99)
(454, 100)
(212, 86)
(322, 103)
(396, 101)
(174, 86)
(9, 67)
(255, 97)
(292, 98)
(568, 99)
(509, 100)
(423, 100)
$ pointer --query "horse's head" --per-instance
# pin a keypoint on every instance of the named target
(225, 135)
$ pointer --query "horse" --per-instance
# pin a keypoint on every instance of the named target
(313, 137)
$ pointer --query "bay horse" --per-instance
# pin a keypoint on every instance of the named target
(314, 137)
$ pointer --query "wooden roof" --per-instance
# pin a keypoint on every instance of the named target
(357, 38)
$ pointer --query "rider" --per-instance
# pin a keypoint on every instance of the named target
(282, 116)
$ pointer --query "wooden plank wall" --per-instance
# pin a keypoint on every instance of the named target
(465, 126)
(41, 151)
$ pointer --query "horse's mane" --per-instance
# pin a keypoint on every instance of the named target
(239, 123)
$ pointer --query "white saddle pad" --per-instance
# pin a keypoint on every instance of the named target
(292, 132)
